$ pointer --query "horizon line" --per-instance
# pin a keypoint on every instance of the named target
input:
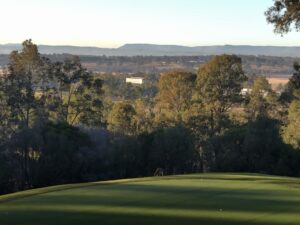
(153, 44)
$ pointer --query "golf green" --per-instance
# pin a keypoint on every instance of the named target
(202, 199)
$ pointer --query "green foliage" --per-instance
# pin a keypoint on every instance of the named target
(23, 110)
(8, 172)
(295, 79)
(173, 150)
(263, 146)
(219, 82)
(63, 154)
(195, 122)
(255, 147)
(35, 91)
(229, 150)
(291, 133)
(283, 14)
(174, 98)
(293, 87)
(19, 86)
(262, 100)
(77, 95)
(218, 87)
(144, 118)
(122, 118)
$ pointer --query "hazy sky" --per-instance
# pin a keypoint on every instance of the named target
(111, 23)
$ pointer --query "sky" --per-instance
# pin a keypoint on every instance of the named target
(112, 23)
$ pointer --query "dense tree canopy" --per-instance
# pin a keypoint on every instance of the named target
(122, 118)
(291, 133)
(262, 99)
(36, 91)
(175, 90)
(219, 85)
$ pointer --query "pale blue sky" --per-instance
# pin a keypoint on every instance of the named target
(111, 23)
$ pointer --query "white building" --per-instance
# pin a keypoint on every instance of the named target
(246, 91)
(135, 80)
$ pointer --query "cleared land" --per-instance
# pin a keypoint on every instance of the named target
(209, 199)
(277, 81)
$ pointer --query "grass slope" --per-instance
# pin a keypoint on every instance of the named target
(206, 199)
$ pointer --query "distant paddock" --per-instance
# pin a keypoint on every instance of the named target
(277, 81)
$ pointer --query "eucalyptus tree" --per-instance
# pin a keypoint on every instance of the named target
(24, 103)
(283, 15)
(262, 100)
(219, 84)
(174, 98)
(77, 96)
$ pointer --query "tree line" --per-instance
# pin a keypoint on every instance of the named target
(58, 125)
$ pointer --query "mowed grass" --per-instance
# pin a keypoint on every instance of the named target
(202, 199)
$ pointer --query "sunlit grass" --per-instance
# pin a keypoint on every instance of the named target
(187, 199)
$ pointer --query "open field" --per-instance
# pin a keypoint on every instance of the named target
(276, 81)
(209, 199)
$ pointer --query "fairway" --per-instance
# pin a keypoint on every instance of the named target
(208, 199)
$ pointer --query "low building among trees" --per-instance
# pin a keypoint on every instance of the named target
(135, 80)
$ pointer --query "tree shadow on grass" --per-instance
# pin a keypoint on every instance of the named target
(154, 203)
(88, 218)
(174, 197)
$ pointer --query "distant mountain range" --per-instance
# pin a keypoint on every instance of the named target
(163, 50)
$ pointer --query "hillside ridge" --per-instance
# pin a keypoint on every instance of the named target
(162, 50)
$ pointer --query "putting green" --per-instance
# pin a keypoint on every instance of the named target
(206, 199)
